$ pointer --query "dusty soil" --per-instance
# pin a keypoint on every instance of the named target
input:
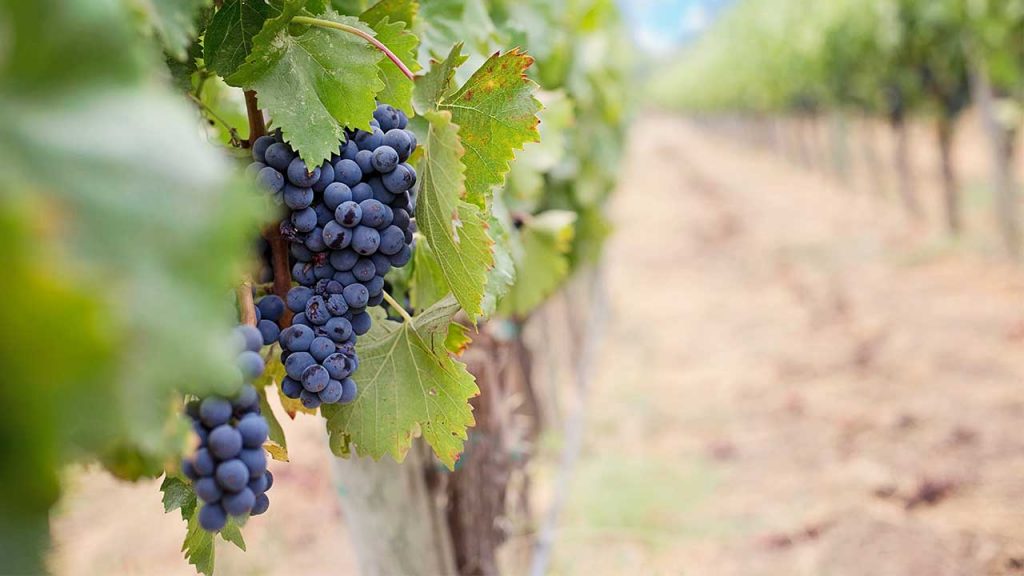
(795, 381)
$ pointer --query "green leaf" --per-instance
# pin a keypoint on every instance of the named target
(229, 38)
(543, 264)
(198, 545)
(276, 444)
(398, 88)
(313, 81)
(428, 284)
(457, 339)
(174, 22)
(503, 275)
(178, 495)
(397, 10)
(455, 229)
(407, 382)
(496, 112)
(182, 70)
(438, 82)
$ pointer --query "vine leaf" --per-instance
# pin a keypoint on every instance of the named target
(438, 82)
(199, 544)
(229, 38)
(312, 81)
(392, 20)
(496, 112)
(455, 229)
(174, 22)
(408, 382)
(542, 261)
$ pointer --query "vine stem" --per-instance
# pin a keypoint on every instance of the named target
(365, 36)
(212, 114)
(246, 304)
(398, 307)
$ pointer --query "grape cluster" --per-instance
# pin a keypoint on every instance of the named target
(229, 469)
(350, 220)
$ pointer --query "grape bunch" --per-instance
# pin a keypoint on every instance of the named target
(350, 220)
(229, 469)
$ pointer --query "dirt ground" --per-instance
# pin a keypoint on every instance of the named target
(794, 381)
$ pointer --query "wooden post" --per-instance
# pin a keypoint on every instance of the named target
(395, 523)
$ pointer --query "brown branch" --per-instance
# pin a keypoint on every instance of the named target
(257, 125)
(246, 305)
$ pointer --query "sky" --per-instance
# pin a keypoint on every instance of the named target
(660, 26)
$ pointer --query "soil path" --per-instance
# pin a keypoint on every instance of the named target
(793, 382)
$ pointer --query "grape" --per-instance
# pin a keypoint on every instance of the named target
(297, 363)
(335, 194)
(323, 214)
(259, 147)
(356, 295)
(349, 214)
(326, 177)
(338, 329)
(361, 323)
(399, 180)
(364, 159)
(315, 241)
(253, 169)
(337, 236)
(361, 191)
(300, 318)
(309, 399)
(300, 252)
(297, 298)
(214, 411)
(365, 240)
(332, 392)
(189, 470)
(374, 213)
(345, 278)
(239, 504)
(402, 258)
(400, 218)
(399, 141)
(412, 137)
(270, 179)
(336, 305)
(349, 390)
(375, 285)
(364, 270)
(348, 150)
(224, 442)
(304, 220)
(343, 260)
(348, 172)
(300, 175)
(258, 485)
(261, 505)
(391, 240)
(271, 306)
(384, 159)
(269, 330)
(375, 299)
(251, 363)
(203, 462)
(279, 155)
(253, 430)
(291, 388)
(303, 273)
(315, 378)
(337, 366)
(250, 336)
(297, 338)
(322, 347)
(297, 198)
(207, 490)
(255, 459)
(232, 475)
(317, 312)
(369, 140)
(386, 117)
(212, 517)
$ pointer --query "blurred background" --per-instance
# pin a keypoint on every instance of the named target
(800, 353)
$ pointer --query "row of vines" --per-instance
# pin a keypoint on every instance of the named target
(395, 180)
(900, 61)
